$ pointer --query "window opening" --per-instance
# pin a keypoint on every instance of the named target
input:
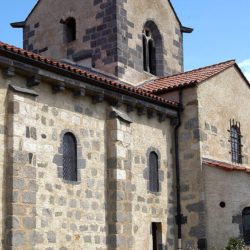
(69, 157)
(70, 25)
(153, 172)
(246, 225)
(235, 140)
(156, 235)
(148, 52)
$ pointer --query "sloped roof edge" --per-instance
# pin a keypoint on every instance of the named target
(189, 78)
(140, 93)
(183, 28)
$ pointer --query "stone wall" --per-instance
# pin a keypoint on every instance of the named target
(224, 97)
(232, 188)
(108, 37)
(109, 207)
(191, 176)
(3, 154)
(161, 14)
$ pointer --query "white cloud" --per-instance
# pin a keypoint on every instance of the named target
(245, 66)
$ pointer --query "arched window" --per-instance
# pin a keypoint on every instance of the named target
(70, 29)
(152, 49)
(246, 225)
(153, 172)
(69, 157)
(235, 139)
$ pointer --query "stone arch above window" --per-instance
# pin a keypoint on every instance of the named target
(70, 29)
(153, 172)
(153, 61)
(59, 158)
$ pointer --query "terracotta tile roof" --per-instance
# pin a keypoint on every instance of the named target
(186, 79)
(225, 166)
(85, 73)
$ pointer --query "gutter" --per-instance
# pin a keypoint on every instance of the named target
(179, 218)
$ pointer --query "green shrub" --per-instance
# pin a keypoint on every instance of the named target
(235, 244)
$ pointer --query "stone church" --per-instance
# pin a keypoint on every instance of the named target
(108, 145)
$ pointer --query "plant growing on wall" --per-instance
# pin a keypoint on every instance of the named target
(235, 244)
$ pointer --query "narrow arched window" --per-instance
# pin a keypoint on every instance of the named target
(246, 225)
(69, 157)
(235, 139)
(70, 29)
(153, 172)
(148, 52)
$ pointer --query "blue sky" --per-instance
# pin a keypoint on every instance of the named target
(221, 29)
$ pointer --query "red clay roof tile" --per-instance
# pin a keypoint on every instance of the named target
(106, 81)
(188, 78)
(225, 166)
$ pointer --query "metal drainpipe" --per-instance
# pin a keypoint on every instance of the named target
(179, 216)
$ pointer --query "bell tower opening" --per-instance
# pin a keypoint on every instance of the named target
(70, 29)
(153, 61)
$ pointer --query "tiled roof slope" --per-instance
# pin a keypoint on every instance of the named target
(225, 166)
(186, 79)
(84, 73)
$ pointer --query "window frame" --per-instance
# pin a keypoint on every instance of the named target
(149, 55)
(70, 29)
(154, 184)
(235, 142)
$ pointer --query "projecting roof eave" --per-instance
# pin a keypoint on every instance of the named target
(29, 58)
(183, 28)
(194, 83)
(22, 23)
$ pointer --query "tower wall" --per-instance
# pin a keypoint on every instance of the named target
(108, 35)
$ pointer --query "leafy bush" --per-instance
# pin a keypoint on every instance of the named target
(235, 244)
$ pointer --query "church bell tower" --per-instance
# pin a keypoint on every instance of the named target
(134, 41)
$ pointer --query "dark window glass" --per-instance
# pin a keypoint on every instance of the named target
(153, 172)
(70, 24)
(156, 235)
(151, 56)
(235, 138)
(246, 225)
(149, 59)
(69, 157)
(145, 67)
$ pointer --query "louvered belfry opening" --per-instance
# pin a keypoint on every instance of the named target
(153, 172)
(246, 225)
(235, 140)
(69, 157)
